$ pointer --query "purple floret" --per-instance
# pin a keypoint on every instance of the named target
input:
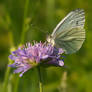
(28, 56)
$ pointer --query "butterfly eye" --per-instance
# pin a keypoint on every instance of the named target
(49, 39)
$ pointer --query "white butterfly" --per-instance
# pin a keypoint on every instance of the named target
(69, 34)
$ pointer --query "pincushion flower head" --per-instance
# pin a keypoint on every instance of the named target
(67, 37)
(29, 56)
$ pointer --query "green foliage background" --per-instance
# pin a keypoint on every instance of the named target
(42, 17)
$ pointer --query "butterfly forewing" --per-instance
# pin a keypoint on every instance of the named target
(69, 34)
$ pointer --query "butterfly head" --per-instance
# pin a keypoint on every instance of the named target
(50, 40)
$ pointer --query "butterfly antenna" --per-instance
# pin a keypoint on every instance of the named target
(38, 29)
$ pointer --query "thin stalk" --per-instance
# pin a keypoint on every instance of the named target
(24, 21)
(63, 85)
(6, 79)
(16, 84)
(40, 80)
(50, 12)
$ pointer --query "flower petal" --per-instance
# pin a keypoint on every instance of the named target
(61, 63)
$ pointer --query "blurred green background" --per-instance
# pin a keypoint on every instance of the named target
(41, 18)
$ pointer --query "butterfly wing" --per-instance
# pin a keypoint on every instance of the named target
(69, 34)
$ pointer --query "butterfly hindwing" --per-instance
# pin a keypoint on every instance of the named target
(71, 41)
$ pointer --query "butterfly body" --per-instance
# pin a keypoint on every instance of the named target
(50, 39)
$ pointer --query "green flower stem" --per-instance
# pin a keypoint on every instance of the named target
(5, 88)
(40, 80)
(64, 82)
(24, 21)
(16, 84)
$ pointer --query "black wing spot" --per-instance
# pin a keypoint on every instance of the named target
(76, 22)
